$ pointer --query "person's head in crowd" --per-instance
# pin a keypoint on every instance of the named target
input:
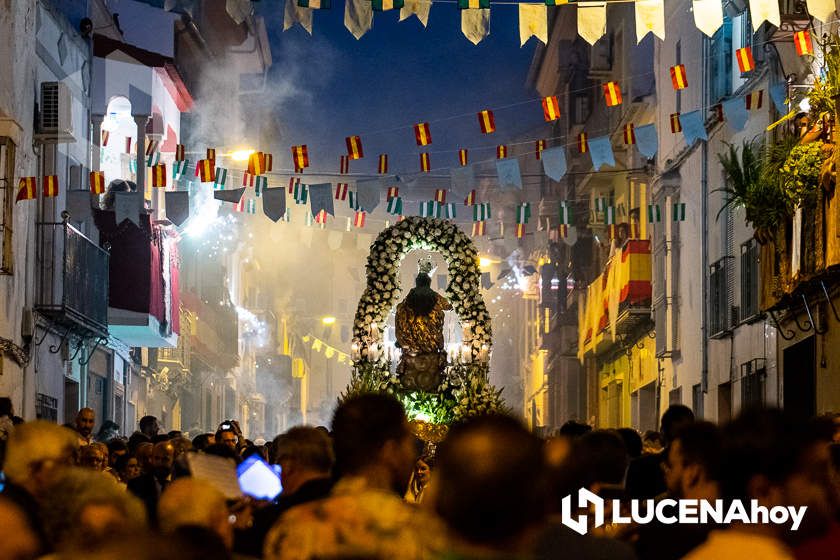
(115, 186)
(692, 465)
(136, 439)
(174, 434)
(92, 457)
(652, 442)
(202, 441)
(778, 459)
(19, 540)
(573, 429)
(108, 431)
(17, 420)
(182, 446)
(258, 450)
(143, 453)
(673, 419)
(149, 426)
(372, 439)
(116, 448)
(304, 454)
(222, 450)
(421, 476)
(127, 467)
(163, 459)
(190, 502)
(36, 452)
(85, 420)
(597, 461)
(159, 438)
(632, 441)
(488, 482)
(226, 436)
(86, 507)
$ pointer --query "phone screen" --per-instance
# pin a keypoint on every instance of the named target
(258, 479)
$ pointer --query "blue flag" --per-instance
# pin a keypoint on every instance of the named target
(321, 198)
(779, 93)
(735, 112)
(509, 175)
(693, 127)
(462, 179)
(601, 152)
(646, 140)
(554, 162)
(367, 194)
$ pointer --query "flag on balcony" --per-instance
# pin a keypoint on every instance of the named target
(676, 126)
(679, 79)
(395, 206)
(97, 182)
(211, 154)
(654, 214)
(386, 5)
(151, 147)
(440, 195)
(159, 175)
(382, 168)
(629, 135)
(341, 191)
(679, 211)
(746, 62)
(754, 99)
(470, 200)
(804, 45)
(501, 151)
(486, 121)
(105, 135)
(359, 219)
(551, 108)
(422, 134)
(180, 152)
(128, 144)
(344, 165)
(473, 4)
(566, 214)
(479, 229)
(50, 185)
(425, 164)
(256, 163)
(612, 94)
(449, 211)
(274, 203)
(392, 192)
(204, 171)
(219, 178)
(315, 4)
(179, 168)
(260, 184)
(354, 147)
(462, 157)
(153, 159)
(481, 212)
(582, 143)
(540, 146)
(300, 157)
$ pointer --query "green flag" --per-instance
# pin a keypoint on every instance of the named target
(679, 211)
(654, 215)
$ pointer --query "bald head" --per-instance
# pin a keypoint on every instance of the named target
(163, 457)
(85, 420)
(190, 502)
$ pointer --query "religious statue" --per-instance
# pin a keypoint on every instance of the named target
(419, 330)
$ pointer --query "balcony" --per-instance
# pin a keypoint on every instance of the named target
(72, 280)
(143, 302)
(215, 338)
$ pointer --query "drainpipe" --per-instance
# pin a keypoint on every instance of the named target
(704, 249)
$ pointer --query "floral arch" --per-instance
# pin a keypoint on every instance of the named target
(465, 389)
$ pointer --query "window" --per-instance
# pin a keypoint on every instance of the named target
(719, 62)
(753, 375)
(46, 407)
(749, 279)
(7, 201)
(675, 396)
(720, 297)
(697, 400)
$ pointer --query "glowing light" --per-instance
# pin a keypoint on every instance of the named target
(484, 262)
(330, 320)
(241, 155)
(422, 417)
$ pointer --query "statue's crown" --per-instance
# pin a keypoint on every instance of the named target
(425, 267)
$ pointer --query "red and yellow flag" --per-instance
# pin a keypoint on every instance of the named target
(676, 125)
(463, 157)
(746, 62)
(211, 154)
(105, 135)
(501, 151)
(383, 164)
(520, 231)
(205, 170)
(128, 144)
(629, 134)
(159, 175)
(679, 79)
(425, 163)
(180, 152)
(440, 195)
(354, 147)
(423, 134)
(583, 146)
(486, 121)
(300, 157)
(27, 189)
(344, 165)
(393, 192)
(804, 45)
(540, 146)
(753, 99)
(151, 147)
(612, 94)
(49, 185)
(359, 219)
(470, 200)
(97, 182)
(551, 108)
(479, 228)
(256, 163)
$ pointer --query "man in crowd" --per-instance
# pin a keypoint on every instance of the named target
(85, 420)
(364, 516)
(149, 426)
(226, 436)
(188, 502)
(149, 486)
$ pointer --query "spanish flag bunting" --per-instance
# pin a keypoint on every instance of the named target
(746, 62)
(440, 195)
(393, 192)
(341, 191)
(486, 121)
(551, 108)
(344, 165)
(501, 151)
(97, 182)
(383, 164)
(386, 5)
(27, 189)
(153, 159)
(679, 78)
(523, 213)
(425, 164)
(540, 146)
(205, 170)
(293, 182)
(470, 200)
(159, 175)
(804, 45)
(247, 179)
(463, 157)
(479, 228)
(676, 125)
(629, 134)
(128, 144)
(105, 135)
(269, 162)
(50, 185)
(754, 99)
(563, 231)
(612, 94)
(260, 184)
(256, 163)
(359, 219)
(321, 217)
(422, 134)
(219, 178)
(354, 147)
(473, 4)
(582, 144)
(151, 147)
(300, 157)
(211, 154)
(520, 231)
(180, 152)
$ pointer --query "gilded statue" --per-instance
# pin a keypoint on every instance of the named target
(419, 331)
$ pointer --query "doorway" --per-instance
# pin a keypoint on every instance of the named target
(800, 378)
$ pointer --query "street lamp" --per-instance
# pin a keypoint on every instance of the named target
(328, 320)
(241, 155)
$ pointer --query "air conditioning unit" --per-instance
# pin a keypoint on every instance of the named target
(55, 118)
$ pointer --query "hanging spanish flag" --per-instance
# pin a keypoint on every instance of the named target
(470, 200)
(128, 144)
(583, 146)
(679, 79)
(612, 94)
(473, 4)
(159, 175)
(425, 164)
(520, 231)
(423, 134)
(321, 217)
(269, 162)
(501, 151)
(293, 183)
(248, 179)
(383, 164)
(540, 146)
(27, 189)
(754, 99)
(211, 154)
(105, 135)
(563, 231)
(629, 134)
(486, 121)
(551, 108)
(205, 170)
(746, 62)
(440, 195)
(479, 229)
(50, 185)
(300, 157)
(804, 45)
(151, 147)
(180, 152)
(344, 165)
(97, 182)
(676, 125)
(463, 157)
(256, 163)
(341, 191)
(393, 192)
(359, 219)
(354, 147)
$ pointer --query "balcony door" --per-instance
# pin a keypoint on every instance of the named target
(800, 378)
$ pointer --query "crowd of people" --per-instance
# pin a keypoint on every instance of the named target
(366, 488)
